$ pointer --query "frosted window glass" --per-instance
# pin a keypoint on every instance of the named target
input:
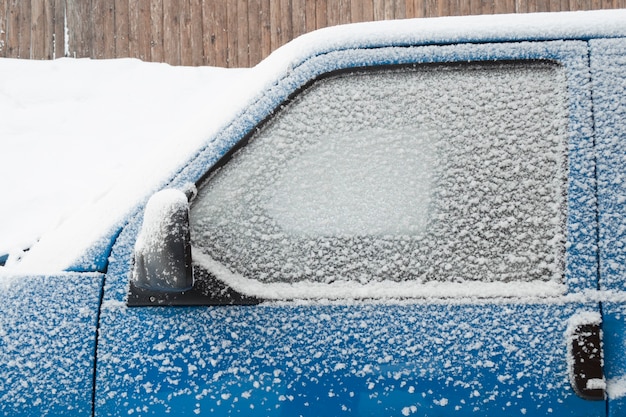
(431, 173)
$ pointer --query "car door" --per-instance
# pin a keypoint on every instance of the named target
(412, 231)
(608, 66)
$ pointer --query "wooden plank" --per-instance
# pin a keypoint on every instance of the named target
(487, 6)
(476, 6)
(379, 9)
(310, 15)
(109, 30)
(321, 17)
(356, 11)
(122, 28)
(443, 8)
(409, 7)
(389, 10)
(420, 8)
(3, 28)
(504, 6)
(37, 29)
(465, 8)
(24, 29)
(48, 43)
(96, 49)
(578, 5)
(208, 35)
(150, 38)
(432, 8)
(543, 6)
(368, 10)
(171, 32)
(231, 34)
(275, 24)
(298, 18)
(345, 14)
(221, 33)
(286, 33)
(141, 32)
(332, 13)
(361, 10)
(59, 29)
(197, 49)
(254, 32)
(266, 30)
(133, 29)
(399, 9)
(241, 32)
(12, 29)
(184, 21)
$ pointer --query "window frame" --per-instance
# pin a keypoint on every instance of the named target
(581, 235)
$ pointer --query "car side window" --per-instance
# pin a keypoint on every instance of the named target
(422, 174)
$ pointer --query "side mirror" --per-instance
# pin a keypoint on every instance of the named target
(162, 273)
(162, 257)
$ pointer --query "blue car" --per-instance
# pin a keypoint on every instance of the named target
(420, 217)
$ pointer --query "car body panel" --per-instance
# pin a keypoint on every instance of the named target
(47, 343)
(608, 66)
(339, 360)
(428, 356)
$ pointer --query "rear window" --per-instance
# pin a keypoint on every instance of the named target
(422, 174)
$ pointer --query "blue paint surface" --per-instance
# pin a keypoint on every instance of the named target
(47, 344)
(360, 358)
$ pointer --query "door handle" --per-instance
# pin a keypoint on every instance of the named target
(586, 360)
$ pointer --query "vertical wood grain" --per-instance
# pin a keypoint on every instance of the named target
(171, 31)
(122, 28)
(254, 32)
(266, 29)
(321, 17)
(150, 42)
(213, 32)
(48, 21)
(197, 49)
(24, 29)
(3, 28)
(38, 35)
(184, 22)
(298, 18)
(243, 34)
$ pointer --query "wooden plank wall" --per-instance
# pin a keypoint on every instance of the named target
(228, 33)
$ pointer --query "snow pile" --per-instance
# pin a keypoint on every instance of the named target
(89, 139)
(616, 388)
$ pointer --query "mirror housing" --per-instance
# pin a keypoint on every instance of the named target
(162, 257)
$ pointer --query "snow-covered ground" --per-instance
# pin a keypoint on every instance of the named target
(72, 129)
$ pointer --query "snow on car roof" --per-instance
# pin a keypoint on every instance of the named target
(85, 141)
